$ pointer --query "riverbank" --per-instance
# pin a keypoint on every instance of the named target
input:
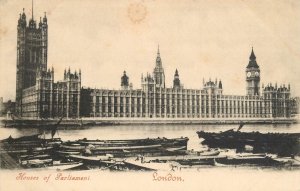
(140, 121)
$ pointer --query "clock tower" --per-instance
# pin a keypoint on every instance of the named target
(253, 76)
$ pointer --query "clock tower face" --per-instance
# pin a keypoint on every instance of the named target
(248, 74)
(252, 76)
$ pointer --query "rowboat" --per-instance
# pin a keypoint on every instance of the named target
(126, 148)
(68, 152)
(73, 147)
(42, 148)
(134, 142)
(64, 166)
(180, 158)
(194, 162)
(248, 160)
(30, 157)
(104, 148)
(35, 162)
(90, 159)
(19, 151)
(176, 149)
(209, 153)
(139, 164)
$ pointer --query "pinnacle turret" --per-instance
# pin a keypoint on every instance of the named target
(176, 81)
(23, 14)
(45, 18)
(176, 72)
(124, 81)
(158, 73)
(220, 85)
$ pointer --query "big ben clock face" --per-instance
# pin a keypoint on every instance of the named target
(256, 74)
(248, 74)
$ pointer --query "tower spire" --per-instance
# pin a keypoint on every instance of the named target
(252, 56)
(252, 60)
(158, 59)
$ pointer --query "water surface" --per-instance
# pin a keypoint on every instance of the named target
(145, 131)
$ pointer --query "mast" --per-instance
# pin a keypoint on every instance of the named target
(32, 9)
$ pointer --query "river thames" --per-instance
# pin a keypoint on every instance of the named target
(204, 178)
(147, 131)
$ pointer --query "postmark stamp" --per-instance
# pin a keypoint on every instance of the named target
(137, 12)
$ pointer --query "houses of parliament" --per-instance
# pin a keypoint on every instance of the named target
(39, 96)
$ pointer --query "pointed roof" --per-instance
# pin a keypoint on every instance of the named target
(220, 84)
(252, 61)
(45, 17)
(252, 56)
(176, 72)
(124, 79)
(158, 59)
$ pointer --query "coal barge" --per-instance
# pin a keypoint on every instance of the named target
(282, 144)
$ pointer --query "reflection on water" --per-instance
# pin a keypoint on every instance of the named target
(145, 131)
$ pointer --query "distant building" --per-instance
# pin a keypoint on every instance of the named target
(295, 106)
(1, 106)
(7, 107)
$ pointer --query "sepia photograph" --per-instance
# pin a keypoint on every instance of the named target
(149, 95)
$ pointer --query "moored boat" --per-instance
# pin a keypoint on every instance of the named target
(248, 160)
(30, 157)
(90, 159)
(283, 144)
(153, 166)
(64, 166)
(127, 147)
(173, 142)
(36, 163)
(68, 152)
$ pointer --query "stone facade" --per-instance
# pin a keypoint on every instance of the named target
(47, 99)
(154, 100)
(37, 95)
(32, 48)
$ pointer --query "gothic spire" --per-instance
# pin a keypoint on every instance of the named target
(176, 81)
(220, 84)
(23, 14)
(45, 18)
(176, 72)
(252, 61)
(158, 59)
(252, 56)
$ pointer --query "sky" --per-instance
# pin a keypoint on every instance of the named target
(202, 39)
